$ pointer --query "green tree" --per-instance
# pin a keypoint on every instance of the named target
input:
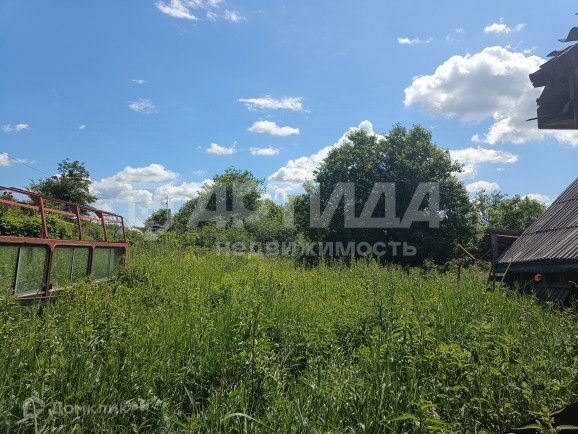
(232, 182)
(159, 218)
(270, 224)
(518, 213)
(496, 211)
(71, 183)
(406, 158)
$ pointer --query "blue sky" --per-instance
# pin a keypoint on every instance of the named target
(157, 96)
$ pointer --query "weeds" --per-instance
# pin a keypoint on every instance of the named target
(194, 341)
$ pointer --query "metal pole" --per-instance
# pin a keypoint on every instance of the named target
(49, 251)
(101, 215)
(40, 202)
(17, 271)
(79, 221)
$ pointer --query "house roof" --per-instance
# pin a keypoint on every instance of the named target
(565, 57)
(551, 238)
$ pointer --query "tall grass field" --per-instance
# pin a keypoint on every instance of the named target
(195, 341)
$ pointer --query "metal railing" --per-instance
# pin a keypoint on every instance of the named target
(47, 243)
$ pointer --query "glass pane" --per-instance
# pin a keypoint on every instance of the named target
(106, 262)
(117, 260)
(31, 267)
(68, 265)
(8, 259)
(80, 263)
(100, 263)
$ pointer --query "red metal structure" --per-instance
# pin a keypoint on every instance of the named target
(63, 242)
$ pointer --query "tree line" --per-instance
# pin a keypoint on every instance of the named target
(405, 157)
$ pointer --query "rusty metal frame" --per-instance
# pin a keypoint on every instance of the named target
(78, 213)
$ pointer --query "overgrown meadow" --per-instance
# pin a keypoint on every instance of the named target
(189, 340)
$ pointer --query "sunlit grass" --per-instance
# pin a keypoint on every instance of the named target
(194, 341)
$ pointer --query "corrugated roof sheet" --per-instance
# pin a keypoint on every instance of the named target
(553, 237)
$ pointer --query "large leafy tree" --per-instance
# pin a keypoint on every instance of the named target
(494, 210)
(406, 158)
(231, 182)
(71, 183)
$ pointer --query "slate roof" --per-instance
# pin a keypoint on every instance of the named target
(553, 237)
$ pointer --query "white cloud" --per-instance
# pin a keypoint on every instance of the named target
(472, 87)
(366, 127)
(414, 41)
(151, 173)
(105, 205)
(186, 10)
(492, 84)
(502, 29)
(5, 159)
(233, 16)
(483, 155)
(269, 103)
(301, 169)
(217, 149)
(539, 197)
(518, 27)
(264, 152)
(471, 158)
(182, 192)
(122, 186)
(137, 185)
(478, 186)
(268, 127)
(16, 128)
(139, 81)
(176, 9)
(142, 105)
(291, 177)
(460, 30)
(82, 127)
(497, 28)
(281, 191)
(469, 171)
(109, 189)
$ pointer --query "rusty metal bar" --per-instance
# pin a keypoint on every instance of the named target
(44, 227)
(32, 194)
(51, 244)
(100, 215)
(48, 271)
(60, 212)
(20, 204)
(32, 241)
(78, 221)
(123, 229)
(15, 281)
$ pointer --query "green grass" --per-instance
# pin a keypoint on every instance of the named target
(194, 341)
